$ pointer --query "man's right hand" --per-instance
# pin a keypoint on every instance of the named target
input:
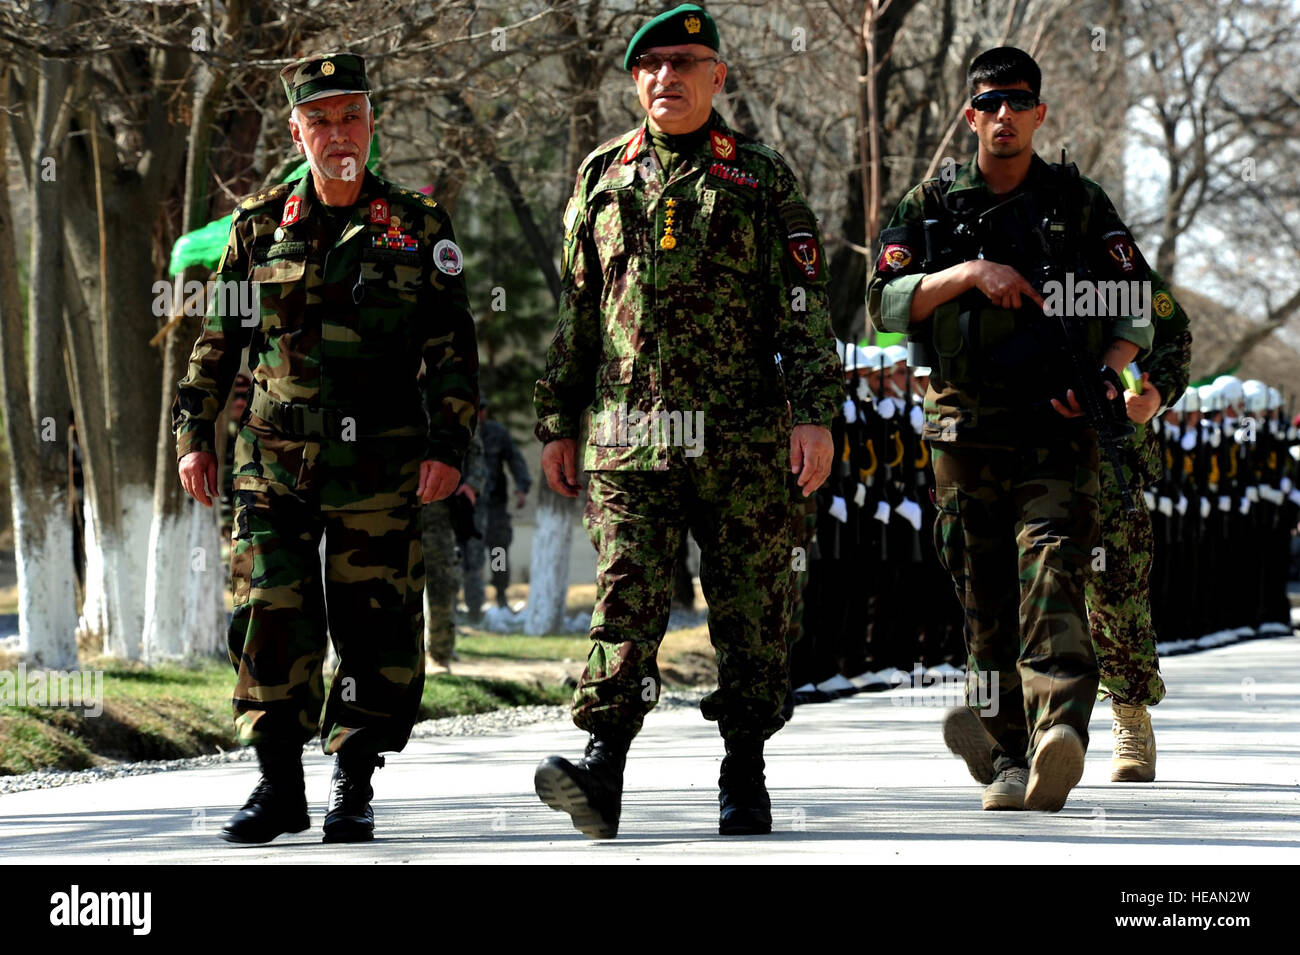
(560, 465)
(1001, 283)
(195, 469)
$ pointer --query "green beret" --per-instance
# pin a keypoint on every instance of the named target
(687, 23)
(315, 77)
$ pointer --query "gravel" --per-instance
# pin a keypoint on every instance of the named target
(478, 724)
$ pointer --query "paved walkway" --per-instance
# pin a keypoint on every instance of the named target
(864, 779)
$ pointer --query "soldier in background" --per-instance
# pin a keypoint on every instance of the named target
(447, 527)
(492, 514)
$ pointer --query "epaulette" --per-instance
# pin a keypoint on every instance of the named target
(278, 191)
(411, 196)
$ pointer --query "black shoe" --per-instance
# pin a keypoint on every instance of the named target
(591, 790)
(746, 809)
(350, 817)
(278, 804)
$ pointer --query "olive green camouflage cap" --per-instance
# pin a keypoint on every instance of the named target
(687, 23)
(315, 77)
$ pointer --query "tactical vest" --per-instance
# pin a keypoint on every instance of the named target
(1003, 357)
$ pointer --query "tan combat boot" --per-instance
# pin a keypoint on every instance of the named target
(1135, 744)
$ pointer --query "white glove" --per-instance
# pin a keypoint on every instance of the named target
(1150, 498)
(839, 510)
(860, 495)
(910, 511)
(918, 419)
(1271, 494)
(1181, 506)
(1216, 438)
(1294, 496)
(1166, 506)
(1173, 430)
(1225, 502)
(850, 411)
(882, 511)
(1205, 508)
(887, 408)
(1286, 485)
(1245, 506)
(1252, 494)
(1188, 441)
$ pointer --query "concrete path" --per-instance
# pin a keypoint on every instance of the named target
(864, 779)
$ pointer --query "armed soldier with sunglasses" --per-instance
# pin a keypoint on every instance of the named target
(691, 260)
(1015, 462)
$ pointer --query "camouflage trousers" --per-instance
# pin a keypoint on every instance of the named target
(1015, 529)
(441, 580)
(738, 509)
(370, 596)
(1119, 599)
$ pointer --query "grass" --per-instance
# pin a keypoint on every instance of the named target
(520, 647)
(173, 712)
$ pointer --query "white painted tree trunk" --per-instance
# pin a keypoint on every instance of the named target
(548, 580)
(183, 611)
(47, 597)
(94, 605)
(124, 553)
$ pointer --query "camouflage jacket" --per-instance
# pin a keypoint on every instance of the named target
(1169, 367)
(994, 370)
(341, 329)
(679, 294)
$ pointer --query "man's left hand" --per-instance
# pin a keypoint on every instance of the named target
(437, 480)
(521, 500)
(1142, 408)
(811, 452)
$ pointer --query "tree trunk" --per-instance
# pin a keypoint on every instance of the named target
(184, 615)
(47, 602)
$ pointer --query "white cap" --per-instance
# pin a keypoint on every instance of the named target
(869, 357)
(1254, 395)
(1229, 390)
(840, 349)
(895, 354)
(1209, 397)
(1274, 398)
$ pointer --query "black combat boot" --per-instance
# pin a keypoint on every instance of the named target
(591, 790)
(279, 803)
(746, 809)
(349, 817)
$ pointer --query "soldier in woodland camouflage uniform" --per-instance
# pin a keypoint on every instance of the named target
(1015, 469)
(359, 281)
(691, 261)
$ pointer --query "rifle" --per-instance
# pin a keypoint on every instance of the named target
(1050, 242)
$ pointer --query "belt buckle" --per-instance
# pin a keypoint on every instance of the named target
(313, 421)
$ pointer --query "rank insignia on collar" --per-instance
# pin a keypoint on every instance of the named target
(634, 146)
(292, 210)
(724, 146)
(379, 212)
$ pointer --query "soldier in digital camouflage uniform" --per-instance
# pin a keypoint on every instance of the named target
(442, 563)
(1118, 593)
(1016, 472)
(690, 261)
(359, 282)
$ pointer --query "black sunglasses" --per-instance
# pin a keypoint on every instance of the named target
(991, 101)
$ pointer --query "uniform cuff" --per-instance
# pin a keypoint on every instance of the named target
(896, 302)
(1140, 335)
(555, 427)
(194, 439)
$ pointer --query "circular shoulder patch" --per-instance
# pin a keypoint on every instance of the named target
(1163, 304)
(447, 257)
